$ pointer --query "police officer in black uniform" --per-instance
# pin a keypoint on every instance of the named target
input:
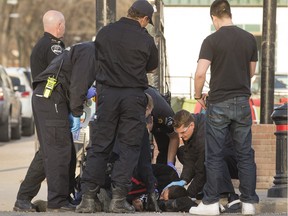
(167, 140)
(45, 50)
(143, 173)
(50, 45)
(74, 71)
(126, 52)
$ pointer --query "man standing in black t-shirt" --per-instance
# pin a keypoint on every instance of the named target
(126, 52)
(232, 54)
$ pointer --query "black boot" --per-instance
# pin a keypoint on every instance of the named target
(24, 206)
(105, 197)
(152, 204)
(118, 203)
(90, 202)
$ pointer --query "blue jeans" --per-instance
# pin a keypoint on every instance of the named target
(230, 116)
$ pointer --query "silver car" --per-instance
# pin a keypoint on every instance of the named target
(23, 88)
(10, 109)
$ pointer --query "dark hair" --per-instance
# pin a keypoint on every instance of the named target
(133, 13)
(220, 8)
(176, 191)
(182, 117)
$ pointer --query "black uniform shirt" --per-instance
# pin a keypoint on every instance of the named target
(162, 113)
(77, 74)
(126, 52)
(45, 50)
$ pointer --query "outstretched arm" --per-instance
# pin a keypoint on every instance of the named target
(173, 147)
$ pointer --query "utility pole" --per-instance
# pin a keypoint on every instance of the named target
(268, 61)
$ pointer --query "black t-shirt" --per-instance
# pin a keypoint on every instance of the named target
(126, 52)
(230, 50)
(45, 50)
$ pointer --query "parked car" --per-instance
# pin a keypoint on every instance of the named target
(10, 109)
(280, 87)
(20, 80)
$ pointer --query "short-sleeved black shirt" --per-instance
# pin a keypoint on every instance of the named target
(230, 50)
(45, 50)
(126, 52)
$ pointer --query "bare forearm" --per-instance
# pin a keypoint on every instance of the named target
(252, 68)
(198, 83)
(200, 76)
(173, 147)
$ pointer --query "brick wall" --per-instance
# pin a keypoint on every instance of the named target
(264, 144)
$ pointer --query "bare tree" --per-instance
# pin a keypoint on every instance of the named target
(22, 26)
(5, 23)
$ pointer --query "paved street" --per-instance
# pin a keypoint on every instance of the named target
(15, 157)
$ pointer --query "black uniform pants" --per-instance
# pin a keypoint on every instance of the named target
(144, 170)
(31, 184)
(56, 149)
(120, 113)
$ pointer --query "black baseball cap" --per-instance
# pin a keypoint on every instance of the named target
(145, 8)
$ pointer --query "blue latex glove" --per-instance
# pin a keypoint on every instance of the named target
(172, 165)
(74, 123)
(179, 183)
(91, 92)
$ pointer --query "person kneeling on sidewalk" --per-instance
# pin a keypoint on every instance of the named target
(191, 129)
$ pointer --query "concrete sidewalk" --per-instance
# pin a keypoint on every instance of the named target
(15, 157)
